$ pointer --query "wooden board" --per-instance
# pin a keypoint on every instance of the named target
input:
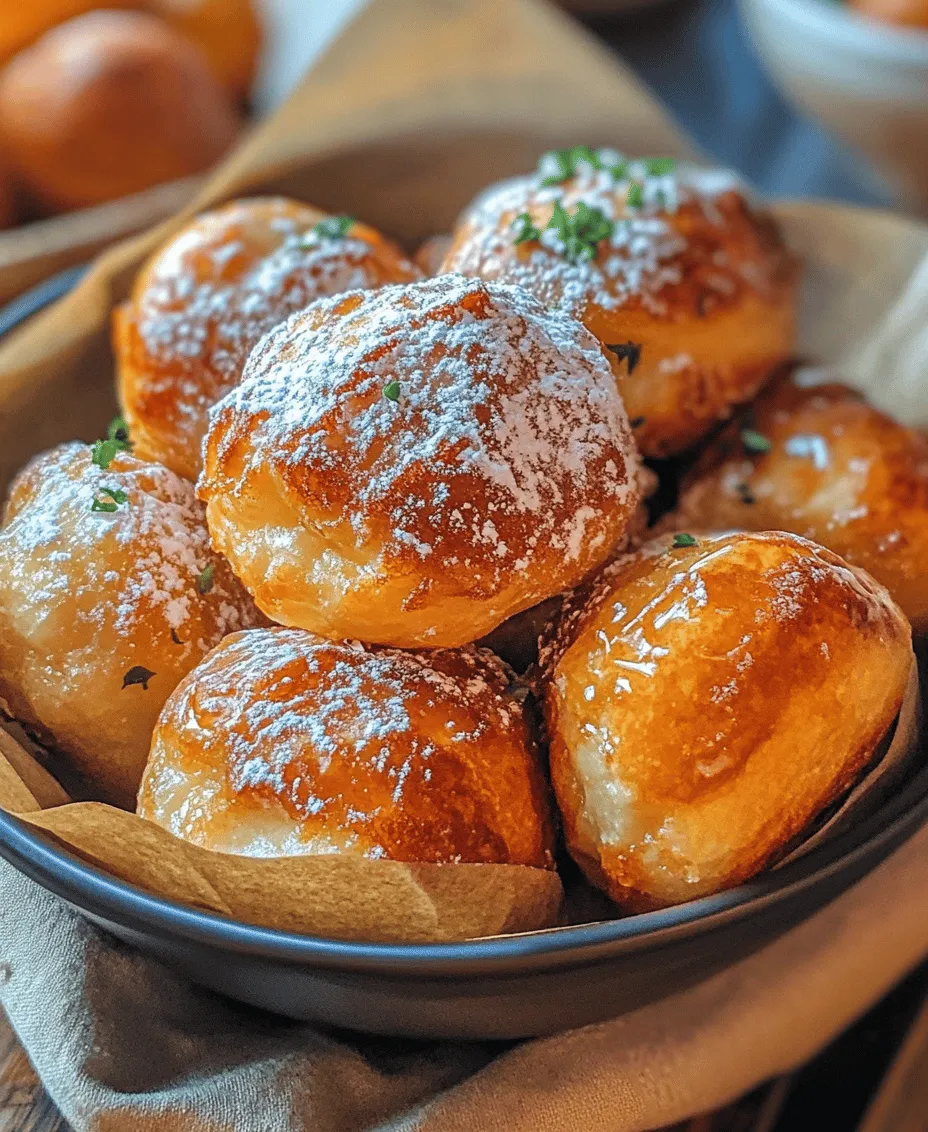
(24, 1104)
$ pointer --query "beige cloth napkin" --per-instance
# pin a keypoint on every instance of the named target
(123, 1045)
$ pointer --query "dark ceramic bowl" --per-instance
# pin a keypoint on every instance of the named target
(505, 987)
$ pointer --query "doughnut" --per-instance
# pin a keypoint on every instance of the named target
(282, 743)
(109, 594)
(413, 465)
(904, 13)
(228, 33)
(202, 302)
(109, 104)
(706, 698)
(666, 264)
(430, 254)
(817, 460)
(22, 22)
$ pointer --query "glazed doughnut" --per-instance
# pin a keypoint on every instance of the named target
(281, 743)
(706, 701)
(109, 104)
(828, 466)
(667, 265)
(103, 611)
(22, 23)
(228, 33)
(413, 465)
(202, 302)
(904, 13)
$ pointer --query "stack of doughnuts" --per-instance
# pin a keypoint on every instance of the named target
(276, 597)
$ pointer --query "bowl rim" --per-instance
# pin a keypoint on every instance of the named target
(100, 894)
(865, 34)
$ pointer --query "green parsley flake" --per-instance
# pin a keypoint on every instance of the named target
(117, 440)
(565, 162)
(683, 539)
(754, 442)
(334, 227)
(524, 230)
(660, 166)
(392, 391)
(205, 580)
(116, 497)
(138, 674)
(635, 197)
(580, 231)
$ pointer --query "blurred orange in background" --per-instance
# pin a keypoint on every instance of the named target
(906, 13)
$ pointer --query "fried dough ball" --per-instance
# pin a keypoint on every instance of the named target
(8, 208)
(413, 465)
(202, 302)
(835, 470)
(693, 290)
(109, 104)
(228, 33)
(903, 13)
(281, 743)
(23, 21)
(103, 611)
(706, 702)
(431, 253)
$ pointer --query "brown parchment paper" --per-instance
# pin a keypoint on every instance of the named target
(411, 111)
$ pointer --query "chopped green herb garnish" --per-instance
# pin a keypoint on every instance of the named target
(116, 497)
(117, 440)
(524, 229)
(334, 227)
(754, 442)
(563, 163)
(629, 352)
(205, 580)
(660, 166)
(392, 391)
(637, 422)
(580, 231)
(635, 197)
(684, 539)
(138, 674)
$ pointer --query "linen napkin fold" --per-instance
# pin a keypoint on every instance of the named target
(124, 1045)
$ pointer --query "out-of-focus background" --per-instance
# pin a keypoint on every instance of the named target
(112, 111)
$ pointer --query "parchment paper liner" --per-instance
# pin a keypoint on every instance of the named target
(415, 107)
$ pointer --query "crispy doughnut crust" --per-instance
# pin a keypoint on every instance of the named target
(110, 104)
(695, 283)
(413, 465)
(282, 743)
(89, 598)
(838, 472)
(203, 300)
(22, 24)
(704, 704)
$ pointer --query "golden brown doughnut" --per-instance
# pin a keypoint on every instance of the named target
(413, 465)
(431, 253)
(705, 703)
(281, 743)
(23, 21)
(905, 13)
(228, 33)
(692, 289)
(202, 302)
(109, 104)
(102, 612)
(835, 470)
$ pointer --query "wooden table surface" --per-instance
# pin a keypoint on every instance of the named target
(24, 1104)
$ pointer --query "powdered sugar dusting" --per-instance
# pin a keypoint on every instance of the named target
(507, 441)
(140, 564)
(644, 255)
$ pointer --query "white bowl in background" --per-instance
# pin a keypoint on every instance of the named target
(865, 81)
